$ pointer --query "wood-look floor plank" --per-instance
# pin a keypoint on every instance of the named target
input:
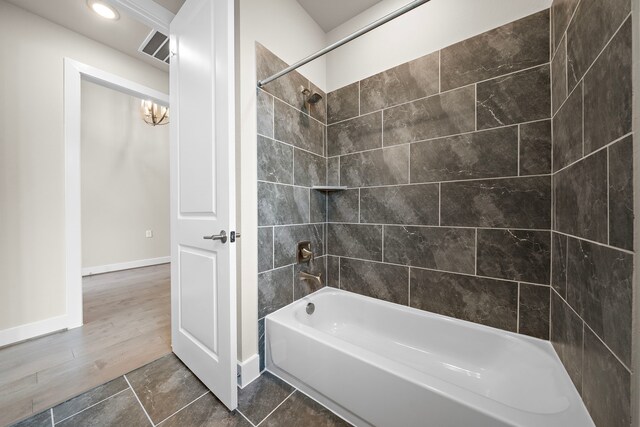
(127, 325)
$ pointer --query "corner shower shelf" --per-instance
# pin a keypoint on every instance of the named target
(328, 188)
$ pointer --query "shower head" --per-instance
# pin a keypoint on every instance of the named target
(311, 98)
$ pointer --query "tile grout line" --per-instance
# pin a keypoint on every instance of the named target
(493, 178)
(594, 61)
(138, 399)
(188, 404)
(541, 65)
(584, 322)
(276, 408)
(417, 141)
(90, 406)
(604, 147)
(244, 416)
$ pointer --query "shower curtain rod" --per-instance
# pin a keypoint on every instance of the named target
(363, 30)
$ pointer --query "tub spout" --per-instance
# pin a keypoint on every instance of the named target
(311, 277)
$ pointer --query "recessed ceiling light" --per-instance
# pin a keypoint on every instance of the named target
(103, 10)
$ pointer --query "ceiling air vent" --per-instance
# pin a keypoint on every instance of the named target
(156, 45)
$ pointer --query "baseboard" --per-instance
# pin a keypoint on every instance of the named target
(248, 370)
(32, 330)
(88, 271)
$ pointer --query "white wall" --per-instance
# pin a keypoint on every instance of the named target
(125, 180)
(425, 29)
(287, 30)
(32, 259)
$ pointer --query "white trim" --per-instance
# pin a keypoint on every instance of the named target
(248, 371)
(147, 12)
(32, 330)
(74, 73)
(99, 269)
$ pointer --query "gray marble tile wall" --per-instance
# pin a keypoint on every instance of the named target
(448, 163)
(592, 237)
(291, 159)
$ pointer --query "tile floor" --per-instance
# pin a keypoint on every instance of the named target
(165, 393)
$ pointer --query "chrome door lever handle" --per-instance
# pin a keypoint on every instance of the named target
(222, 236)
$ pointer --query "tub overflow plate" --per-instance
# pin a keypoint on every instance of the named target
(311, 308)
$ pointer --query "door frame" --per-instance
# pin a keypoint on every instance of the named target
(74, 73)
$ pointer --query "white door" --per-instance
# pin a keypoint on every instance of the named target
(203, 281)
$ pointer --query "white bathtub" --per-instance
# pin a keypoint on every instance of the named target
(382, 364)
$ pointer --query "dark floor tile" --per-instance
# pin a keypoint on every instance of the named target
(559, 264)
(77, 404)
(580, 193)
(535, 148)
(594, 23)
(282, 204)
(599, 287)
(606, 385)
(164, 386)
(566, 335)
(621, 194)
(120, 410)
(608, 93)
(43, 419)
(559, 76)
(206, 412)
(275, 290)
(262, 396)
(508, 203)
(567, 131)
(561, 13)
(406, 82)
(275, 161)
(310, 169)
(356, 134)
(403, 204)
(265, 249)
(438, 248)
(521, 255)
(343, 103)
(485, 301)
(449, 113)
(521, 97)
(286, 88)
(387, 166)
(265, 114)
(515, 46)
(486, 154)
(374, 279)
(299, 410)
(355, 240)
(344, 206)
(285, 242)
(534, 311)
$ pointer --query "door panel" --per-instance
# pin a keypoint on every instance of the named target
(203, 282)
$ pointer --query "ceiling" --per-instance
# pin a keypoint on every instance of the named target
(126, 34)
(331, 13)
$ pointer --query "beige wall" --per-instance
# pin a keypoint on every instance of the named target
(32, 259)
(125, 180)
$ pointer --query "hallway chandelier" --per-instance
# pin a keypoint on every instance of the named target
(154, 114)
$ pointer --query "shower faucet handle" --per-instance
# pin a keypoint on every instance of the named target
(304, 252)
